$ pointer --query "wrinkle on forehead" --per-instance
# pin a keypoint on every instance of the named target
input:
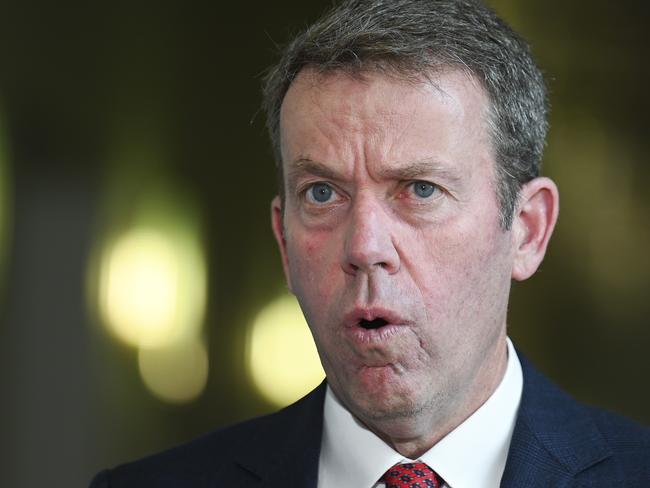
(336, 119)
(361, 87)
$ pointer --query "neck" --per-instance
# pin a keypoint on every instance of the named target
(415, 434)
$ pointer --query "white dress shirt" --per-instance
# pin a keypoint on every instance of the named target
(473, 455)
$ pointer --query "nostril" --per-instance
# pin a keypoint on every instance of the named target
(373, 324)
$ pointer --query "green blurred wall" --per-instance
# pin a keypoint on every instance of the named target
(77, 77)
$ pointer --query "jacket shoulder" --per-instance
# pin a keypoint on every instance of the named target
(194, 461)
(628, 441)
(557, 439)
(212, 456)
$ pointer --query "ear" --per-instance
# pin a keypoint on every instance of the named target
(533, 225)
(278, 231)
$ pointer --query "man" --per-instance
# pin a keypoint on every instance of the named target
(409, 135)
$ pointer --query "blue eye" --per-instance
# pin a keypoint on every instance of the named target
(320, 192)
(424, 189)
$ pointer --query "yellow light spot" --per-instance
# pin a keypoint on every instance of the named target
(152, 288)
(177, 373)
(281, 356)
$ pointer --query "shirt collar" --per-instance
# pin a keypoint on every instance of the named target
(473, 454)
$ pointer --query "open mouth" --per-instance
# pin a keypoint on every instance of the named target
(373, 324)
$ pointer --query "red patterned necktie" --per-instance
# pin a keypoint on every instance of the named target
(411, 475)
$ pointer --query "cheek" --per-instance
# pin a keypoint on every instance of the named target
(313, 262)
(465, 269)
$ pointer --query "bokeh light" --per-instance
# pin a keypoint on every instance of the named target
(152, 287)
(176, 373)
(282, 359)
(148, 280)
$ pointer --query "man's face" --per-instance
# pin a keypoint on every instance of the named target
(391, 241)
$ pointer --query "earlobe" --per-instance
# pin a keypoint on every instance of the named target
(533, 225)
(277, 222)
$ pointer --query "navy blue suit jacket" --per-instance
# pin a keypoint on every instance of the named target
(557, 442)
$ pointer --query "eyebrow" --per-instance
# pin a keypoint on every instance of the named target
(304, 165)
(418, 169)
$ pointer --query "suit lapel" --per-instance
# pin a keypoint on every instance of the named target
(285, 451)
(554, 438)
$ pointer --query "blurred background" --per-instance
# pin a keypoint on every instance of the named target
(141, 295)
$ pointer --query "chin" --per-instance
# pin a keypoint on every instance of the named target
(385, 401)
(394, 411)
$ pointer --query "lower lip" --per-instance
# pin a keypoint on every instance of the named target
(375, 336)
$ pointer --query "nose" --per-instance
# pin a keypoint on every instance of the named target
(369, 241)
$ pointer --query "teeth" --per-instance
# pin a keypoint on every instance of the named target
(372, 324)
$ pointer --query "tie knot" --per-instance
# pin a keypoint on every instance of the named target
(411, 475)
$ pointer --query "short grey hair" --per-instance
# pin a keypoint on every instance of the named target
(413, 38)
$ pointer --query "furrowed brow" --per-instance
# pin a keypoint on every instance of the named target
(419, 169)
(303, 166)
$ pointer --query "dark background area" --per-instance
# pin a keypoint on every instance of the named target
(80, 80)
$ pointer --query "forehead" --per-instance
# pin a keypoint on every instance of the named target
(336, 117)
